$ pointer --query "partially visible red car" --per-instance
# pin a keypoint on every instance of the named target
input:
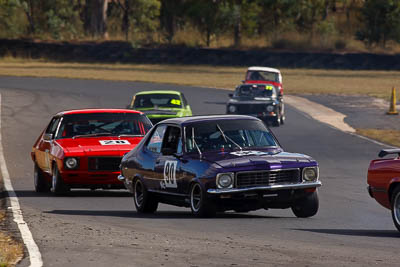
(83, 148)
(384, 182)
(265, 75)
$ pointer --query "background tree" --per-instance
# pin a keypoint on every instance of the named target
(143, 14)
(96, 18)
(9, 24)
(28, 8)
(373, 21)
(171, 17)
(236, 19)
(275, 14)
(381, 22)
(206, 15)
(126, 10)
(250, 14)
(61, 19)
(309, 12)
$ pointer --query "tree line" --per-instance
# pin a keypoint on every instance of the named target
(373, 21)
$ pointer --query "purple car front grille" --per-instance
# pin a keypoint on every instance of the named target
(260, 178)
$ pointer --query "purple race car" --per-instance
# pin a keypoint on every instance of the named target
(219, 163)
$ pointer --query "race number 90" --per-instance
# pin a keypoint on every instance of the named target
(170, 174)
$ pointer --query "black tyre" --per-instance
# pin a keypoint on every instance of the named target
(283, 119)
(307, 206)
(39, 181)
(277, 120)
(144, 202)
(200, 205)
(57, 184)
(396, 207)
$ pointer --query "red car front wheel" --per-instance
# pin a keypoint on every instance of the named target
(57, 184)
(39, 181)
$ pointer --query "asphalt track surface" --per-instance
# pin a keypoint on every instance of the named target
(102, 228)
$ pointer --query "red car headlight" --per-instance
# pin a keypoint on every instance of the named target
(71, 163)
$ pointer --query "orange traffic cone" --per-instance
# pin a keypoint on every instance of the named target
(393, 100)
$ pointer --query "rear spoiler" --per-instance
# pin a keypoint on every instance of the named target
(385, 152)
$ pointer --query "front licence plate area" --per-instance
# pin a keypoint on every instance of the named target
(259, 195)
(83, 177)
(104, 163)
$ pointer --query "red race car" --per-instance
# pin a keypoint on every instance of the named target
(83, 148)
(264, 75)
(384, 182)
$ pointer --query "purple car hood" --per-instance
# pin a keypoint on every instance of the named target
(258, 158)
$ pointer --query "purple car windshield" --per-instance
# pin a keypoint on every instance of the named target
(227, 135)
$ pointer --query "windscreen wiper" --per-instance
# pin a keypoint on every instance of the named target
(130, 135)
(228, 138)
(194, 142)
(93, 134)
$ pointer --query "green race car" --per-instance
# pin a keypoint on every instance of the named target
(161, 105)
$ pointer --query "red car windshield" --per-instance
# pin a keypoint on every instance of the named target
(100, 124)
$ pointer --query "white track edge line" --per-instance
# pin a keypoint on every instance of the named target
(34, 254)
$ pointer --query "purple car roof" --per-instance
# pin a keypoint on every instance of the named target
(188, 120)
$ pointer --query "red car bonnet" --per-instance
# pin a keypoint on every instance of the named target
(98, 145)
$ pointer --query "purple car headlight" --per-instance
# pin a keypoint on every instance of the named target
(225, 180)
(310, 174)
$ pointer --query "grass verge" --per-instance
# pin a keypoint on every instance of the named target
(296, 81)
(391, 137)
(11, 251)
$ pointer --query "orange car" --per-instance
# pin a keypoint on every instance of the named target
(384, 182)
(83, 148)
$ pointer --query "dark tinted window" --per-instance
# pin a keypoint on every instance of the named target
(158, 100)
(172, 140)
(227, 134)
(262, 76)
(113, 124)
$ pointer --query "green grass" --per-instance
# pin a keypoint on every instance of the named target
(11, 251)
(391, 137)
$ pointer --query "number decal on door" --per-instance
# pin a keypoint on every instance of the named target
(169, 174)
